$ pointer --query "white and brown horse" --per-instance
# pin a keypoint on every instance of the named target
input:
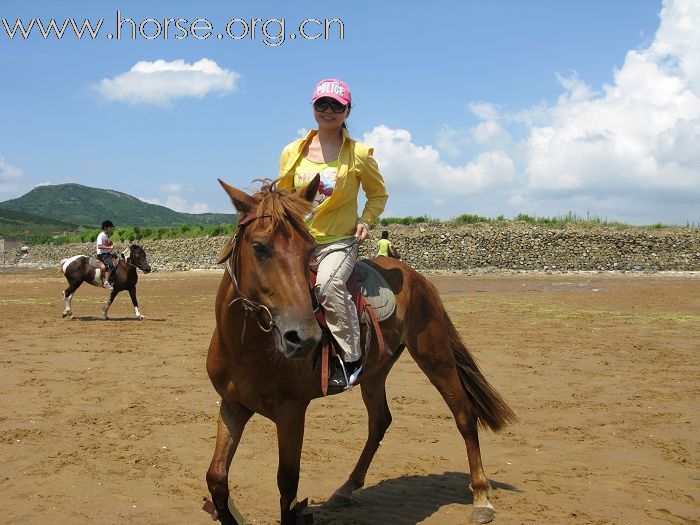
(83, 269)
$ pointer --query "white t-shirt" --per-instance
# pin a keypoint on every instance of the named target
(102, 239)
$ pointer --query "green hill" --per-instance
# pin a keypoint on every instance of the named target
(78, 204)
(20, 224)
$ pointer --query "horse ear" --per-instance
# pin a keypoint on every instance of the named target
(308, 193)
(243, 202)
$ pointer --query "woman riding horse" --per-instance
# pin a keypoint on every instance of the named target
(343, 165)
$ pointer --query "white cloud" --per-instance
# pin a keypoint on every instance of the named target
(403, 162)
(200, 207)
(490, 134)
(174, 201)
(171, 188)
(9, 176)
(626, 151)
(162, 82)
(636, 137)
(45, 183)
(485, 110)
(452, 141)
(150, 201)
(177, 203)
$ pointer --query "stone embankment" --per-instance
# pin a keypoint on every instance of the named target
(446, 247)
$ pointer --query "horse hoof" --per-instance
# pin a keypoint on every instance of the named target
(139, 318)
(339, 500)
(66, 314)
(483, 515)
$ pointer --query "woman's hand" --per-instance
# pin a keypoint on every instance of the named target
(361, 231)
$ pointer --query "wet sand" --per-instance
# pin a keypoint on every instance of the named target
(114, 422)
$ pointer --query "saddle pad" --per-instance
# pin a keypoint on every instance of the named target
(95, 262)
(375, 289)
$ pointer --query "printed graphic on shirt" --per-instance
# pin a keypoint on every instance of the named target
(304, 174)
(326, 186)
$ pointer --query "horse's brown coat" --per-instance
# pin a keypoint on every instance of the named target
(252, 372)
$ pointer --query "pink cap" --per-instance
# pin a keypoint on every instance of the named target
(333, 88)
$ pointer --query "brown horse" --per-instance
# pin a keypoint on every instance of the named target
(78, 270)
(263, 353)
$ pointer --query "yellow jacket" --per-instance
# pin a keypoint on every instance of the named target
(337, 218)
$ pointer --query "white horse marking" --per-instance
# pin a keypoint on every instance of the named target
(138, 314)
(66, 262)
(69, 308)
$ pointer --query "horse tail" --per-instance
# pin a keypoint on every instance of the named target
(491, 409)
(60, 265)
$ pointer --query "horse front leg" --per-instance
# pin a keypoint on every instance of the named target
(109, 303)
(290, 437)
(232, 420)
(132, 294)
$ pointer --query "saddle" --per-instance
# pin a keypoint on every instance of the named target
(374, 301)
(97, 264)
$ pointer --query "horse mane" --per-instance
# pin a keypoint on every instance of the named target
(283, 207)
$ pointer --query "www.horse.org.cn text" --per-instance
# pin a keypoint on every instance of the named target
(270, 31)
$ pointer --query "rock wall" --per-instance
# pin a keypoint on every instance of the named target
(504, 246)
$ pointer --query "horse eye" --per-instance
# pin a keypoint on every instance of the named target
(260, 250)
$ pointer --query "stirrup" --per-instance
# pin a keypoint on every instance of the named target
(345, 372)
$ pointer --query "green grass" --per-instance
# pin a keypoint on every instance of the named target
(141, 233)
(470, 218)
(558, 221)
(405, 220)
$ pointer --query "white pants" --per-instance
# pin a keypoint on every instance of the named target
(340, 311)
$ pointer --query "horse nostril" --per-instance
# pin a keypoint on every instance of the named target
(291, 336)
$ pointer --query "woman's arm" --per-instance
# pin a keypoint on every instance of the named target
(373, 186)
(285, 182)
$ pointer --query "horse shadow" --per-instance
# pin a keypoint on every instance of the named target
(117, 319)
(405, 500)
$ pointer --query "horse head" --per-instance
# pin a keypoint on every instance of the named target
(272, 257)
(138, 258)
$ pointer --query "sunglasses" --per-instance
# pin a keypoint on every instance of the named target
(335, 106)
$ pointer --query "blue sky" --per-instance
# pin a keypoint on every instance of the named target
(541, 107)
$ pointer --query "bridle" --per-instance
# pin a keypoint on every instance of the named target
(262, 313)
(125, 258)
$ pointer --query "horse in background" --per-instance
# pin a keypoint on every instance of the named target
(84, 269)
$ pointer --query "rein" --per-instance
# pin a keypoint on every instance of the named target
(262, 313)
(125, 258)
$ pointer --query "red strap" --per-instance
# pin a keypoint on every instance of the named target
(377, 330)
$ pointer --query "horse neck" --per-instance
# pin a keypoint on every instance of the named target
(129, 268)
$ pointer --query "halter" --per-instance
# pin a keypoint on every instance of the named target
(262, 313)
(125, 256)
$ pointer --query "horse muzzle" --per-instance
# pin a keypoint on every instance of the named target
(298, 344)
(146, 269)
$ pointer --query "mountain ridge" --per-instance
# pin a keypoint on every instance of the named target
(84, 205)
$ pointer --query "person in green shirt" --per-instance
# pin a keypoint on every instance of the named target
(386, 249)
(384, 244)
